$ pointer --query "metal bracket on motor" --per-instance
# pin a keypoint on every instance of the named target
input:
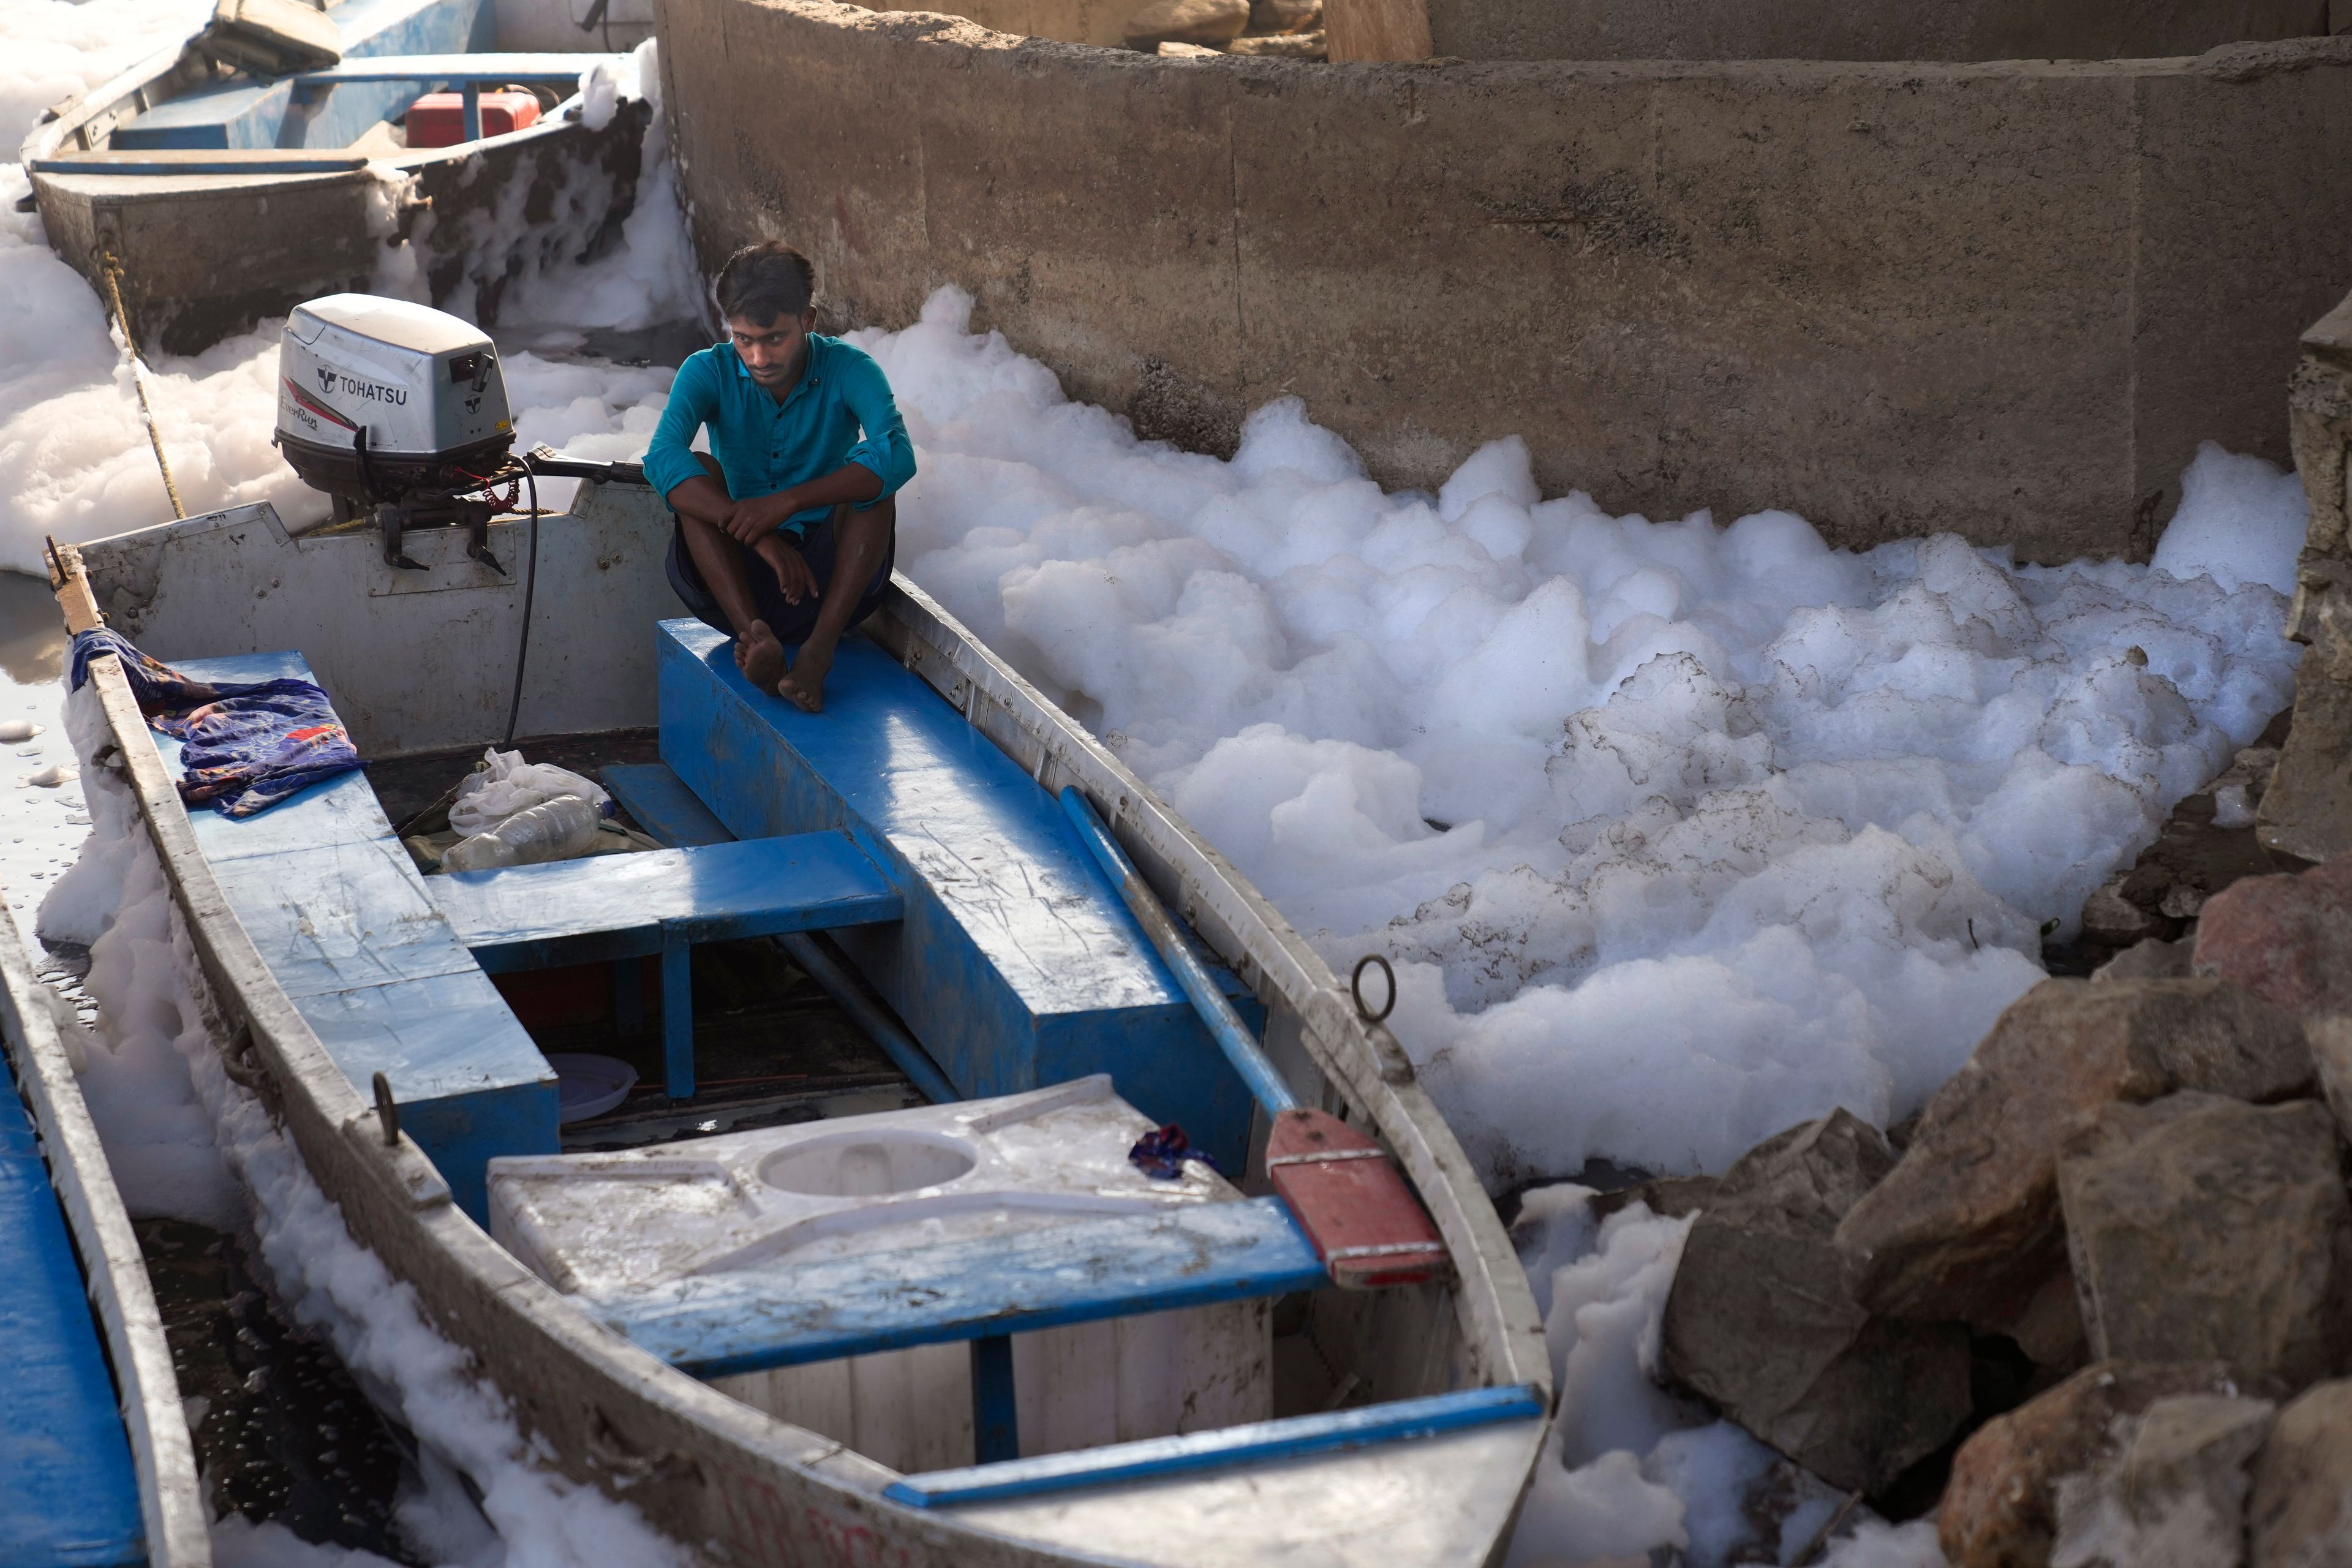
(394, 519)
(477, 538)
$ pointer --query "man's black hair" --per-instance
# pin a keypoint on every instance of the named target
(763, 281)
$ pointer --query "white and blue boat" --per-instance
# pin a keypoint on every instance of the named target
(892, 1255)
(100, 1470)
(266, 160)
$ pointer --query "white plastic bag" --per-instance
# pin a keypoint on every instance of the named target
(505, 785)
(558, 829)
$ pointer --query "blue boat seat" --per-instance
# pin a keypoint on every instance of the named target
(662, 902)
(339, 913)
(790, 1311)
(1016, 964)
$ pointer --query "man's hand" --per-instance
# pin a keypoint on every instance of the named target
(792, 568)
(755, 519)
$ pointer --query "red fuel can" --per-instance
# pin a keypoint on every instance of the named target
(439, 119)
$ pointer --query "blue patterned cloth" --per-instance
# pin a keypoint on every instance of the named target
(1161, 1153)
(244, 746)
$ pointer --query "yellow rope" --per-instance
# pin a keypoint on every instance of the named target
(110, 271)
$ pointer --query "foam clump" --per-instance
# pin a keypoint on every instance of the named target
(1628, 1467)
(2241, 520)
(1680, 834)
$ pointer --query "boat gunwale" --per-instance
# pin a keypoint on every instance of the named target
(47, 140)
(175, 1522)
(646, 1428)
(1492, 1297)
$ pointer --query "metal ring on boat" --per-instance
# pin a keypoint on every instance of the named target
(387, 1111)
(1356, 985)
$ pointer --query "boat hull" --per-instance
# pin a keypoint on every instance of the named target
(752, 1490)
(173, 1514)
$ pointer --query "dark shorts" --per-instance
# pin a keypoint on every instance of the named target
(791, 623)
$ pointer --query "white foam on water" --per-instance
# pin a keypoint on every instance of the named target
(56, 50)
(2241, 520)
(1680, 834)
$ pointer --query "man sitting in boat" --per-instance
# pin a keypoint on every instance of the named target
(786, 529)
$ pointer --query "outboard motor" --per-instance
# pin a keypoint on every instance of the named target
(399, 413)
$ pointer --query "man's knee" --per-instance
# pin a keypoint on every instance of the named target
(884, 511)
(710, 466)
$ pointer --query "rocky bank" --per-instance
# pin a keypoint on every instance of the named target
(2096, 1309)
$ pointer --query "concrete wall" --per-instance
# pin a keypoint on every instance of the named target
(1859, 29)
(2004, 301)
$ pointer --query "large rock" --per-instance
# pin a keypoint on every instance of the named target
(2153, 959)
(1283, 45)
(2204, 1229)
(1759, 1320)
(2001, 1507)
(2301, 1512)
(2174, 1493)
(1285, 16)
(1187, 22)
(2306, 813)
(1967, 1225)
(2287, 939)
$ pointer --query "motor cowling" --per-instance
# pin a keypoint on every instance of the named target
(397, 411)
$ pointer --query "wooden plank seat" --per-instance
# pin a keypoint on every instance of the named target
(338, 911)
(1016, 964)
(554, 71)
(663, 902)
(790, 1311)
(658, 799)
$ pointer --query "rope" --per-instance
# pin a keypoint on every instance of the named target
(111, 271)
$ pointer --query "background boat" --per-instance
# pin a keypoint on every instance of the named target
(92, 1436)
(228, 178)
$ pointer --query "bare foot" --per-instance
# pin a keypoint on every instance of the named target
(759, 657)
(805, 682)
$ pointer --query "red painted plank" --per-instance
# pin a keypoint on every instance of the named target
(1352, 1202)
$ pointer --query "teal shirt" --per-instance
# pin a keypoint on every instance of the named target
(840, 410)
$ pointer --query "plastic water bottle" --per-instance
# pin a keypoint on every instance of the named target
(554, 829)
